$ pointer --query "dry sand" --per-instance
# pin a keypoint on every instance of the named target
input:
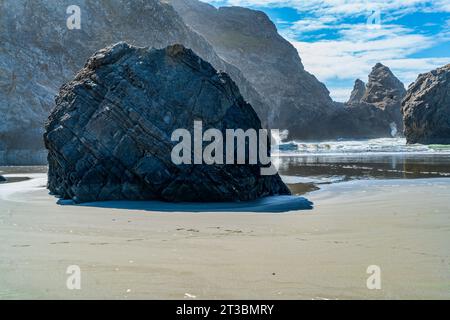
(403, 226)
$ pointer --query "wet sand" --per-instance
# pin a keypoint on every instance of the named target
(403, 226)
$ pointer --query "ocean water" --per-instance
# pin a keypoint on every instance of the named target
(352, 147)
(337, 161)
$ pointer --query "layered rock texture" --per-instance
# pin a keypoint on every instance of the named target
(249, 40)
(39, 53)
(426, 108)
(109, 136)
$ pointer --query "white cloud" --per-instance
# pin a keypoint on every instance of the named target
(358, 49)
(344, 7)
(354, 48)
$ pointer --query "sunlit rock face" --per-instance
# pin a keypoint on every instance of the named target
(426, 108)
(39, 53)
(110, 135)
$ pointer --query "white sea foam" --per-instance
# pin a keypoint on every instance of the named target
(372, 146)
(312, 179)
(20, 192)
(15, 191)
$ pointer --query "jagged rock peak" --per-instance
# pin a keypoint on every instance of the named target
(383, 87)
(109, 137)
(359, 88)
(426, 108)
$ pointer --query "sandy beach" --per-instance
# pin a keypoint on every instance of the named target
(282, 150)
(402, 226)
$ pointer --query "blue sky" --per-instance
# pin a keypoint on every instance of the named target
(341, 40)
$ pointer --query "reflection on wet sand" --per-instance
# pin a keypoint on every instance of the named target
(22, 169)
(10, 172)
(334, 168)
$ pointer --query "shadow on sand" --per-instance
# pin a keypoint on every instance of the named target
(274, 204)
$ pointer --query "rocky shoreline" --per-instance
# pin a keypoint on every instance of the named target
(242, 42)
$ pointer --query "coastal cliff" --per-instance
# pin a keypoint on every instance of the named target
(39, 53)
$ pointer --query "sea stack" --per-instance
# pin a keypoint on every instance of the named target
(358, 91)
(385, 92)
(109, 137)
(426, 108)
(373, 110)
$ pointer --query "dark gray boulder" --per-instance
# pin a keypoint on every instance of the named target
(426, 108)
(109, 136)
(2, 179)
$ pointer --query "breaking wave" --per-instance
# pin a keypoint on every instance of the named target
(381, 145)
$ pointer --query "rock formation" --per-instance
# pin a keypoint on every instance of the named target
(2, 179)
(299, 102)
(373, 110)
(249, 40)
(358, 91)
(385, 92)
(109, 136)
(39, 53)
(426, 108)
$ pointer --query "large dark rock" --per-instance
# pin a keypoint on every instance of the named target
(109, 136)
(2, 179)
(426, 108)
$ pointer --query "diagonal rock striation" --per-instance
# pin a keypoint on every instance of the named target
(109, 137)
